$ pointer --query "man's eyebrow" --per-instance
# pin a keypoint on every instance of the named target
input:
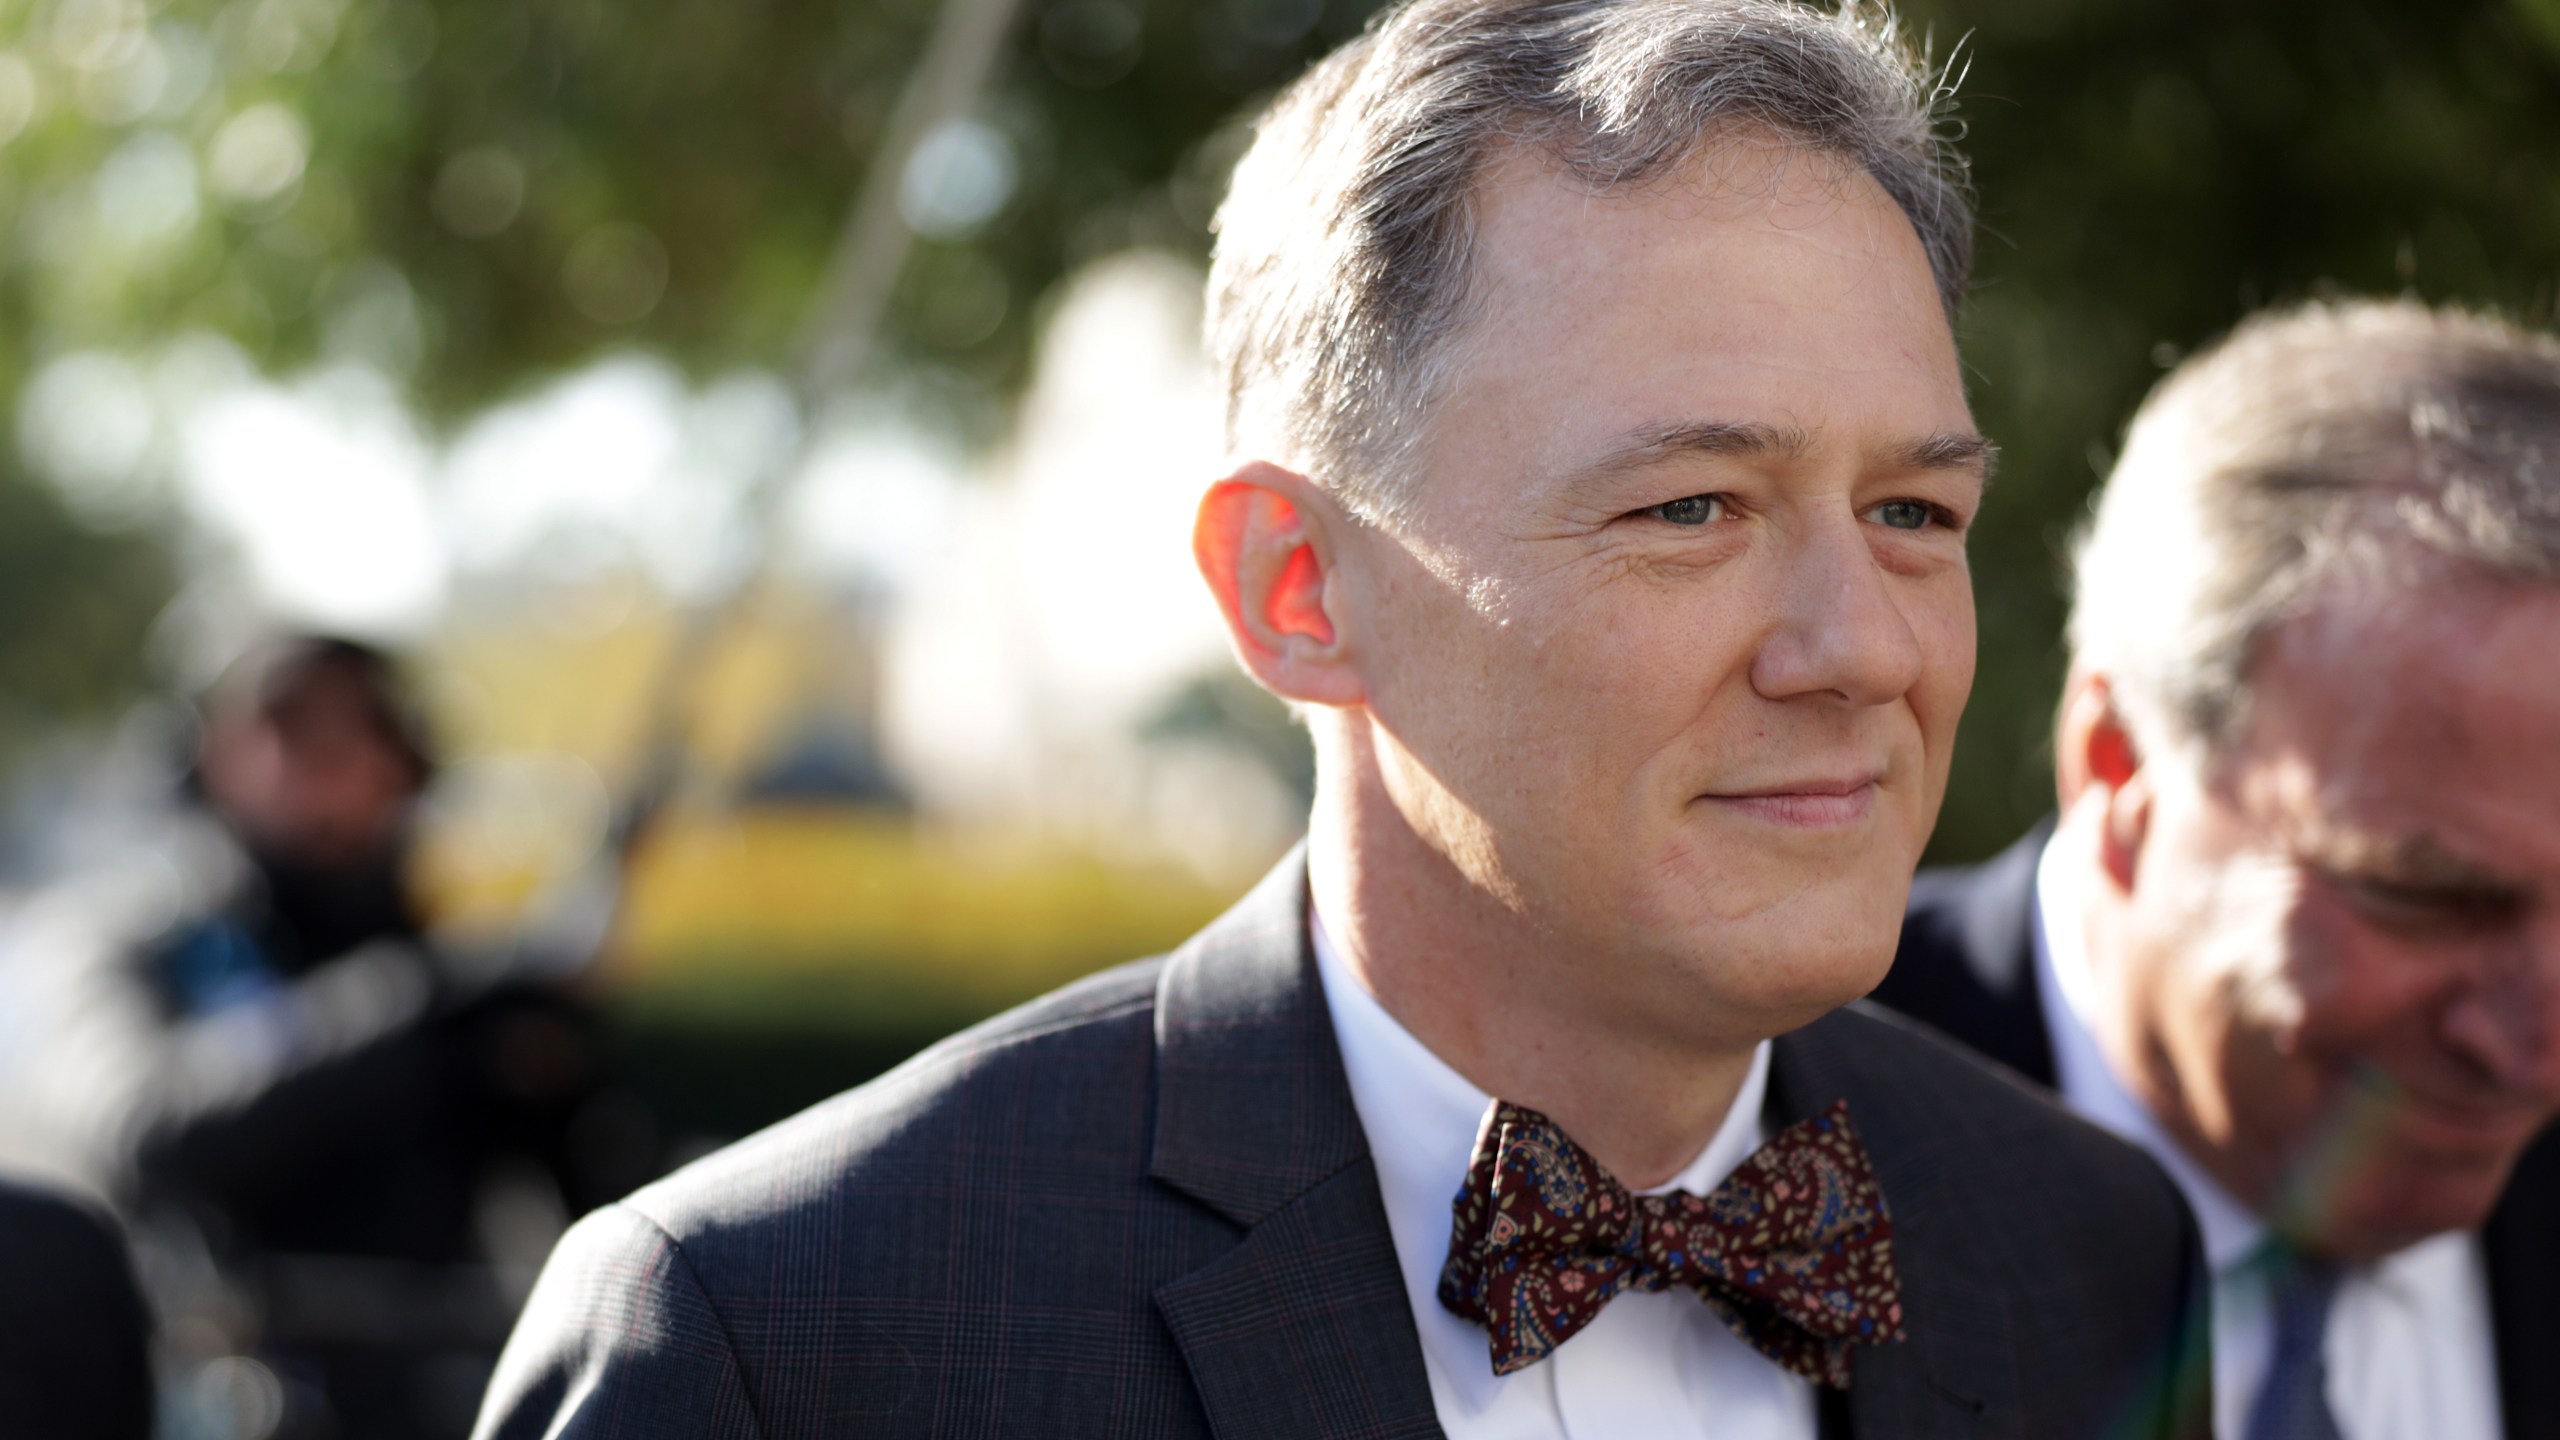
(1950, 451)
(1737, 438)
(2415, 860)
(1750, 440)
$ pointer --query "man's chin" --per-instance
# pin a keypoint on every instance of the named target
(1766, 946)
(1786, 986)
(1751, 878)
(2377, 1214)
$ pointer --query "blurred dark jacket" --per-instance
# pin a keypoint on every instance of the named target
(285, 1085)
(74, 1335)
(206, 1031)
(1967, 968)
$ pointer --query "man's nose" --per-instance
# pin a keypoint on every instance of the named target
(1838, 631)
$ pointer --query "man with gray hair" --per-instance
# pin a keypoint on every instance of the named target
(1601, 465)
(2297, 930)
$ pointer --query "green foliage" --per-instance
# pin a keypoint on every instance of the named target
(476, 193)
(2151, 171)
(484, 191)
(74, 608)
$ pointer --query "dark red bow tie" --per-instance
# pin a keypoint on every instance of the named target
(1794, 1250)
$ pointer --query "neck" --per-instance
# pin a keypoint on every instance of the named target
(1513, 1007)
(2127, 1019)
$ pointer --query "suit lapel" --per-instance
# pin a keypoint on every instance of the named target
(1966, 966)
(2523, 1253)
(1955, 1378)
(1303, 1328)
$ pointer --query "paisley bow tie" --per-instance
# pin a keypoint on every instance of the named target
(1794, 1250)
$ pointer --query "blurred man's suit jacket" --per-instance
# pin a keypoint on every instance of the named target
(74, 1336)
(1144, 1206)
(1967, 968)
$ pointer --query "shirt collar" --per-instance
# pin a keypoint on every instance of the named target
(2066, 989)
(1422, 1118)
(1433, 1102)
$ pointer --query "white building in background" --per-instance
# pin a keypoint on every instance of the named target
(1025, 669)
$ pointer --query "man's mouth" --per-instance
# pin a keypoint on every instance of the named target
(2452, 1126)
(1810, 803)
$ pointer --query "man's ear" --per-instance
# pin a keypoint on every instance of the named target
(2097, 763)
(1266, 540)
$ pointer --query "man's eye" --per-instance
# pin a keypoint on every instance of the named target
(2431, 907)
(1905, 514)
(1691, 509)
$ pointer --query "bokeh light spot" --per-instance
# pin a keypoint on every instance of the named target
(616, 273)
(258, 156)
(18, 95)
(288, 35)
(125, 92)
(1091, 43)
(480, 191)
(959, 179)
(87, 423)
(98, 34)
(1273, 22)
(146, 191)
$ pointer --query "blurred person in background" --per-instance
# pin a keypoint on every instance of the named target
(75, 1358)
(247, 1039)
(2297, 929)
(1602, 465)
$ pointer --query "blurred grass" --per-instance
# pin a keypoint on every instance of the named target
(868, 910)
(775, 956)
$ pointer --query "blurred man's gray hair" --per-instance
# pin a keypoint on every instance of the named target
(2363, 450)
(1342, 269)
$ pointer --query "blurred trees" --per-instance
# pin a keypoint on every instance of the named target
(74, 608)
(468, 195)
(472, 192)
(2152, 170)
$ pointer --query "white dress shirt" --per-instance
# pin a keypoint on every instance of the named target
(2408, 1345)
(1651, 1365)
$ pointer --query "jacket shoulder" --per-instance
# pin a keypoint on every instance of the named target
(1966, 962)
(1974, 921)
(809, 1272)
(1996, 1165)
(2048, 1233)
(1043, 1072)
(1934, 921)
(1964, 1104)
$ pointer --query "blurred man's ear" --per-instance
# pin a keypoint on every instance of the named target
(1266, 541)
(2096, 763)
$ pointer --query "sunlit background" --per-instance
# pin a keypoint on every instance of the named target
(473, 327)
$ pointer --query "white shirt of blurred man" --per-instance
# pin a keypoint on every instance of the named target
(2300, 922)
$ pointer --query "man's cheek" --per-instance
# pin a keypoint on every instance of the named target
(2352, 988)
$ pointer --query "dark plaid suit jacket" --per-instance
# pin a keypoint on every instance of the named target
(1967, 968)
(1144, 1206)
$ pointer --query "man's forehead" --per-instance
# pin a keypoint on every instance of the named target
(2452, 677)
(1539, 225)
(1652, 444)
(2389, 780)
(1738, 167)
(1790, 311)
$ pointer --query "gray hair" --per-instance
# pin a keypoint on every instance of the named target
(2379, 446)
(1342, 263)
